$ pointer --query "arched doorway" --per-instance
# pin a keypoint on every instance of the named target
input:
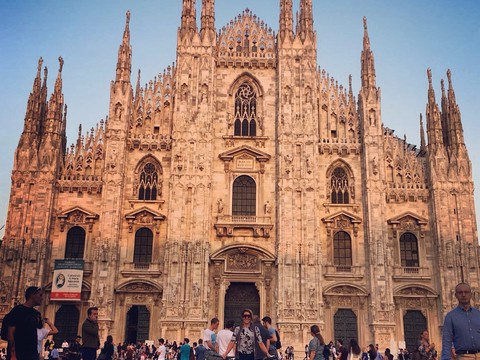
(413, 323)
(138, 324)
(345, 325)
(241, 296)
(66, 321)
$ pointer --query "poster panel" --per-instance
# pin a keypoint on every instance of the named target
(67, 280)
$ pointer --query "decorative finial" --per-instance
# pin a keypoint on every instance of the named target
(128, 16)
(60, 60)
(449, 77)
(365, 23)
(40, 63)
(442, 85)
(350, 81)
(45, 72)
(429, 75)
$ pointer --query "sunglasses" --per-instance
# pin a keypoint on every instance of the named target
(247, 315)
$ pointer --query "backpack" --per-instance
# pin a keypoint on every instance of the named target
(278, 344)
(5, 323)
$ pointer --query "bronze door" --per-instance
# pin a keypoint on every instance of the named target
(345, 326)
(138, 324)
(413, 324)
(66, 321)
(241, 296)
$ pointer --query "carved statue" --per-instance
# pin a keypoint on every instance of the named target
(196, 293)
(220, 206)
(268, 207)
(288, 163)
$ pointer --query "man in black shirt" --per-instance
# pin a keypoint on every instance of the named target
(22, 327)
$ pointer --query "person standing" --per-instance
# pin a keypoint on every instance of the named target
(91, 340)
(108, 348)
(316, 345)
(162, 350)
(200, 350)
(354, 350)
(185, 350)
(461, 328)
(209, 334)
(425, 348)
(64, 346)
(224, 337)
(265, 337)
(22, 327)
(245, 337)
(272, 335)
(74, 349)
(342, 352)
(43, 332)
(54, 354)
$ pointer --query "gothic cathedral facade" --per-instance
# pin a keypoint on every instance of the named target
(244, 176)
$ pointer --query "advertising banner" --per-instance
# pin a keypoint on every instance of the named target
(67, 280)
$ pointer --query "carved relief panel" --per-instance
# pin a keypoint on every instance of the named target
(77, 216)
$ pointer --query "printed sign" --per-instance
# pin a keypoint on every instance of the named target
(67, 280)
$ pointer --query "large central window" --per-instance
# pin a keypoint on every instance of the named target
(147, 189)
(339, 185)
(245, 111)
(244, 198)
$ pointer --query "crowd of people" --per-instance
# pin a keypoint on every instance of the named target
(25, 330)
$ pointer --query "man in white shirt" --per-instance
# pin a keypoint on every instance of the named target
(209, 336)
(162, 350)
(224, 337)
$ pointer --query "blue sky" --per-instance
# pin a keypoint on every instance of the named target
(407, 37)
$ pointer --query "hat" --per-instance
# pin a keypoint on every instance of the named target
(31, 290)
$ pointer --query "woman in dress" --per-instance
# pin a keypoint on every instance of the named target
(316, 345)
(425, 348)
(354, 350)
(244, 339)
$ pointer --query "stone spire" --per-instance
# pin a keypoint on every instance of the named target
(434, 124)
(444, 114)
(454, 117)
(422, 135)
(286, 20)
(189, 18)
(55, 105)
(306, 20)
(368, 61)
(124, 62)
(207, 29)
(350, 89)
(32, 114)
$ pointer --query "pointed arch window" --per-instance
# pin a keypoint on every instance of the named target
(339, 187)
(245, 111)
(342, 250)
(409, 250)
(148, 187)
(75, 245)
(244, 199)
(142, 252)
